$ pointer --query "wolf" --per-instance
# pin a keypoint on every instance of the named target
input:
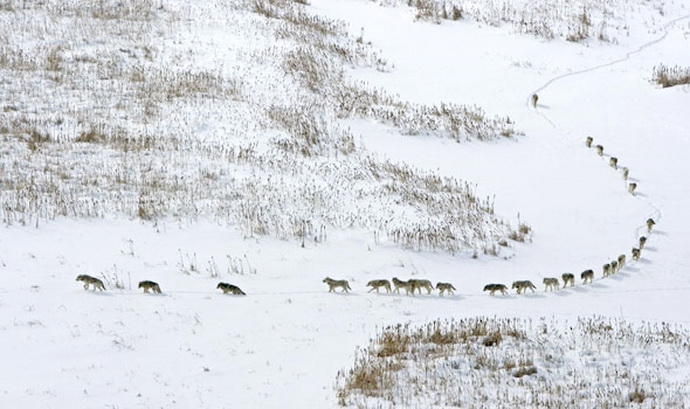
(523, 285)
(621, 261)
(613, 162)
(606, 270)
(418, 284)
(587, 276)
(588, 141)
(642, 242)
(535, 99)
(492, 288)
(626, 173)
(445, 287)
(150, 285)
(631, 188)
(398, 284)
(650, 224)
(333, 284)
(88, 280)
(229, 288)
(568, 278)
(376, 284)
(551, 283)
(614, 267)
(600, 150)
(635, 253)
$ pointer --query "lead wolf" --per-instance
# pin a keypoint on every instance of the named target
(150, 285)
(229, 288)
(333, 284)
(88, 280)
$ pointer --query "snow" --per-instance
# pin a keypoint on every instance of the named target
(283, 344)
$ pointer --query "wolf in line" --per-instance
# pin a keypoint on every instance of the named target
(150, 285)
(333, 284)
(418, 284)
(650, 225)
(376, 284)
(614, 267)
(445, 287)
(613, 162)
(600, 150)
(621, 261)
(635, 253)
(568, 278)
(587, 276)
(606, 270)
(93, 281)
(632, 186)
(398, 284)
(523, 285)
(551, 283)
(535, 99)
(588, 141)
(642, 240)
(626, 173)
(492, 288)
(229, 288)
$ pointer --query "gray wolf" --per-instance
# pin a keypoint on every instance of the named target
(376, 284)
(445, 287)
(492, 288)
(635, 253)
(229, 288)
(606, 270)
(333, 284)
(150, 285)
(88, 280)
(523, 285)
(418, 284)
(398, 284)
(568, 278)
(613, 162)
(551, 283)
(587, 276)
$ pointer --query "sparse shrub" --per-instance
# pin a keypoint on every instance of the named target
(671, 76)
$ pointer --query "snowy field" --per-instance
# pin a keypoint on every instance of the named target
(288, 342)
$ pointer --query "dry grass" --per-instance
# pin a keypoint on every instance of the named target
(671, 76)
(485, 362)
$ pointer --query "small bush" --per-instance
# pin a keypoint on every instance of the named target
(671, 76)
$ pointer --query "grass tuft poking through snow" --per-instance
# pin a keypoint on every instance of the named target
(501, 362)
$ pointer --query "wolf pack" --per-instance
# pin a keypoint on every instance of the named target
(415, 286)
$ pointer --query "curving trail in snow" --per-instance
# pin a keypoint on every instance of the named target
(656, 213)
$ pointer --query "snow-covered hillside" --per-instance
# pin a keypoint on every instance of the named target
(191, 143)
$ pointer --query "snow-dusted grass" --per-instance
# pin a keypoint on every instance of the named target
(160, 110)
(671, 76)
(572, 20)
(480, 362)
